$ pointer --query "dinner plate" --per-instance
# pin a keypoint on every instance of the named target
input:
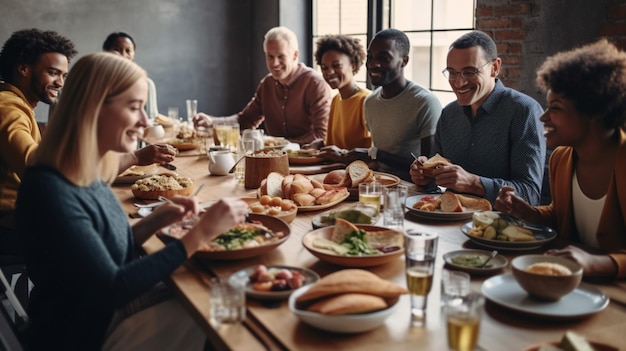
(386, 179)
(496, 264)
(437, 215)
(543, 235)
(182, 146)
(274, 142)
(596, 346)
(347, 261)
(322, 207)
(585, 300)
(272, 223)
(244, 274)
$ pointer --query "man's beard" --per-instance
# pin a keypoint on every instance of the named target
(42, 92)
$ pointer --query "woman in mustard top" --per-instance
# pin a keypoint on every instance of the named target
(586, 97)
(340, 58)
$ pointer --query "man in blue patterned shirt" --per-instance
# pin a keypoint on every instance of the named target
(491, 134)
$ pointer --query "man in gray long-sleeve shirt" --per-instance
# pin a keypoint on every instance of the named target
(492, 134)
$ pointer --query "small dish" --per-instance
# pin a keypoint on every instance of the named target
(495, 265)
(244, 274)
(348, 323)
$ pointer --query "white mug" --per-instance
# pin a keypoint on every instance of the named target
(156, 132)
(220, 162)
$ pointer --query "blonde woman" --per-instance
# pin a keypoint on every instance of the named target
(92, 290)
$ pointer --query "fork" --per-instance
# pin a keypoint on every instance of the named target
(268, 234)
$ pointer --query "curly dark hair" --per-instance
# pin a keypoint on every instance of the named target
(348, 45)
(593, 77)
(28, 45)
(402, 40)
(477, 38)
(111, 38)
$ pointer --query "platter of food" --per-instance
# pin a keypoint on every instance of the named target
(271, 142)
(446, 207)
(358, 213)
(304, 157)
(273, 282)
(499, 231)
(470, 261)
(349, 245)
(504, 290)
(277, 207)
(166, 185)
(134, 173)
(245, 240)
(307, 193)
(354, 174)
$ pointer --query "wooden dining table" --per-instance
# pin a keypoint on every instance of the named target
(272, 326)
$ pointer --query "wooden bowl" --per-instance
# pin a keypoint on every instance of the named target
(259, 165)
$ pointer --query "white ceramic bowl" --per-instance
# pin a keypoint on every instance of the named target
(546, 287)
(351, 323)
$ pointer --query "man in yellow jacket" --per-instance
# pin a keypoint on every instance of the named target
(33, 67)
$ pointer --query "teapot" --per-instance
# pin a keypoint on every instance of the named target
(256, 135)
(220, 162)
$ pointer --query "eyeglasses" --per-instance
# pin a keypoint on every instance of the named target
(467, 74)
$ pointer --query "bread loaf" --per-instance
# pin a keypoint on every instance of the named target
(348, 304)
(450, 202)
(274, 182)
(359, 172)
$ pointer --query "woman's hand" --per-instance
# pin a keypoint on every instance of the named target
(181, 207)
(155, 153)
(593, 265)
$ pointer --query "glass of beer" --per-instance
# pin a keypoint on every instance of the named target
(370, 194)
(233, 138)
(463, 321)
(222, 131)
(420, 254)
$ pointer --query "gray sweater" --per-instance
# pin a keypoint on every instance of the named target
(81, 258)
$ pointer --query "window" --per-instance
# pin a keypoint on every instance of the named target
(431, 25)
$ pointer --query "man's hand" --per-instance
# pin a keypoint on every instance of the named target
(155, 153)
(202, 120)
(456, 178)
(417, 172)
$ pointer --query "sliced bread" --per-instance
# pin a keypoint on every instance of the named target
(341, 229)
(450, 202)
(474, 203)
(274, 184)
(359, 172)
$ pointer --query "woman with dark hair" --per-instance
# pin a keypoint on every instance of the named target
(586, 96)
(340, 58)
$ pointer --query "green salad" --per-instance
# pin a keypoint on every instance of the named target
(357, 245)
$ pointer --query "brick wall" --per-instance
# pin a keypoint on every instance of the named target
(527, 31)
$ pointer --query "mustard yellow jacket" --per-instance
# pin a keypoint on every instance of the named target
(19, 138)
(611, 232)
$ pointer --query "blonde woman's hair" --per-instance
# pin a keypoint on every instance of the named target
(282, 33)
(70, 143)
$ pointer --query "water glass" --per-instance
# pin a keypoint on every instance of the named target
(172, 112)
(246, 147)
(228, 302)
(463, 321)
(370, 194)
(393, 203)
(206, 139)
(420, 253)
(454, 285)
(192, 109)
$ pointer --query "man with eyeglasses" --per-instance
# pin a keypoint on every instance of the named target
(491, 134)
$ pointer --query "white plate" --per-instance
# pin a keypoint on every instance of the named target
(543, 235)
(436, 215)
(347, 323)
(244, 274)
(496, 263)
(583, 301)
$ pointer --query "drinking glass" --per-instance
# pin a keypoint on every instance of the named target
(463, 316)
(192, 109)
(233, 138)
(172, 112)
(370, 193)
(246, 147)
(420, 253)
(454, 284)
(228, 302)
(222, 131)
(393, 206)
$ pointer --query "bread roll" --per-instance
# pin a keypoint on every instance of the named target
(301, 186)
(331, 196)
(359, 172)
(317, 192)
(348, 304)
(303, 199)
(450, 203)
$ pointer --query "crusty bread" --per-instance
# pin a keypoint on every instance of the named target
(303, 199)
(450, 202)
(341, 229)
(317, 192)
(335, 177)
(274, 182)
(348, 304)
(474, 203)
(351, 281)
(433, 163)
(359, 172)
(331, 196)
(301, 186)
(385, 238)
